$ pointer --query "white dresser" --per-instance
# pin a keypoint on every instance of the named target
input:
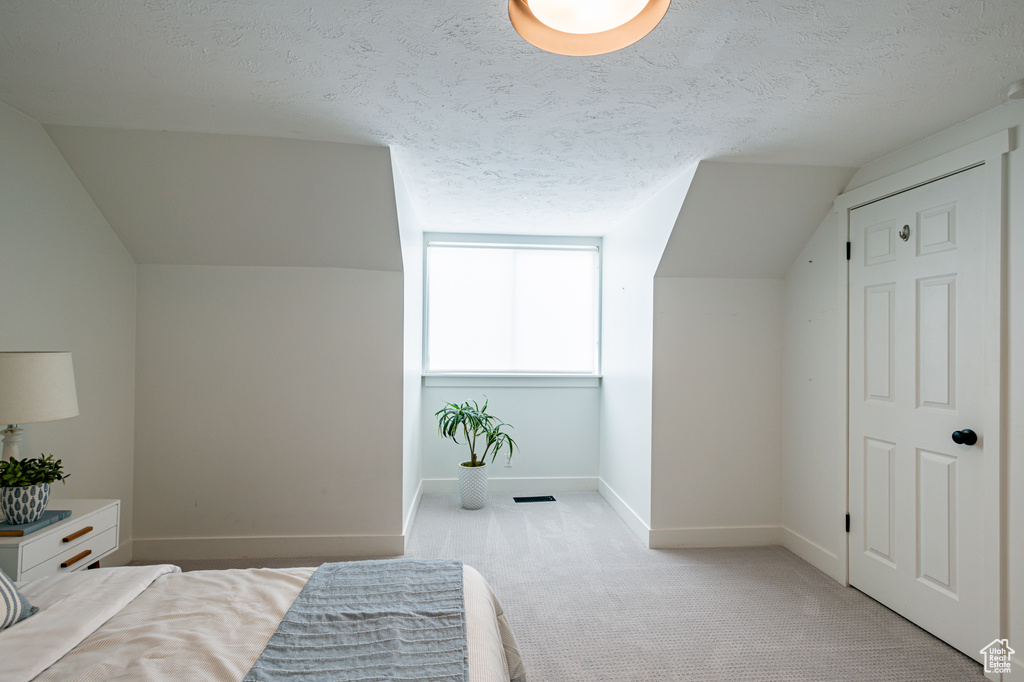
(88, 535)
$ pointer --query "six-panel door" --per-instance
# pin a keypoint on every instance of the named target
(916, 376)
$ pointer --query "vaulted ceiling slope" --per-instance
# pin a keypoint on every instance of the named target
(495, 135)
(199, 199)
(748, 220)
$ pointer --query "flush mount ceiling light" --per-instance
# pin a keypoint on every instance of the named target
(580, 28)
(1016, 91)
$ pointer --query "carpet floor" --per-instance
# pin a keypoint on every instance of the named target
(589, 602)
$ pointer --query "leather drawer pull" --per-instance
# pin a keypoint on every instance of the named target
(78, 533)
(75, 559)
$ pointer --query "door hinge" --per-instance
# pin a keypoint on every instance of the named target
(848, 250)
(847, 523)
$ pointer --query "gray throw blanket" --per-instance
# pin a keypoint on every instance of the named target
(401, 619)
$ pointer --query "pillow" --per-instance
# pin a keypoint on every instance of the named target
(13, 605)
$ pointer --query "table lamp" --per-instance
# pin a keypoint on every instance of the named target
(34, 387)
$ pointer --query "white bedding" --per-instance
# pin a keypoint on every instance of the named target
(71, 607)
(107, 625)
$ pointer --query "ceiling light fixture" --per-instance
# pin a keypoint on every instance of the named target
(1016, 91)
(581, 28)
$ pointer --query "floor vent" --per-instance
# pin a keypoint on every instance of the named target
(535, 498)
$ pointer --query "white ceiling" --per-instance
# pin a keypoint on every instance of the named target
(495, 135)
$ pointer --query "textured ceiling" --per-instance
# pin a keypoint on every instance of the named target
(495, 135)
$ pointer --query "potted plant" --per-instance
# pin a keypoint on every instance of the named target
(473, 422)
(25, 487)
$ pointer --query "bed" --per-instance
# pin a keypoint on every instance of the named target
(157, 623)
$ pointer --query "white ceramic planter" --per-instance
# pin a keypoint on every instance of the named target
(472, 486)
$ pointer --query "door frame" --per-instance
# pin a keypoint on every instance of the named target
(989, 153)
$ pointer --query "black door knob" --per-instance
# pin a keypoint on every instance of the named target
(965, 437)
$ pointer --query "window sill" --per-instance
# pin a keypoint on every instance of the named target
(514, 380)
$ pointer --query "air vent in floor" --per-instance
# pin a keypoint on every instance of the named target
(535, 498)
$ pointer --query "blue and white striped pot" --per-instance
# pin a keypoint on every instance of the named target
(25, 503)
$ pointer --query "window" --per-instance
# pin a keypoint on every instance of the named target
(512, 308)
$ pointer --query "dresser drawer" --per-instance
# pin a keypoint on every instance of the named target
(93, 548)
(52, 545)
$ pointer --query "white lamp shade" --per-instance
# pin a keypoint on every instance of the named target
(36, 387)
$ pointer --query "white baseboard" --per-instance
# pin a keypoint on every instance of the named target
(539, 485)
(811, 552)
(720, 536)
(413, 508)
(157, 549)
(627, 513)
(440, 486)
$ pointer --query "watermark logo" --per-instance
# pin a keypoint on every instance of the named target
(997, 656)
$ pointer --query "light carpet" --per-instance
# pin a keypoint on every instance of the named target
(589, 602)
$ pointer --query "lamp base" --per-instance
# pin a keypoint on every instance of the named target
(12, 434)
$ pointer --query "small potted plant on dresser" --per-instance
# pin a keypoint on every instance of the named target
(25, 487)
(473, 422)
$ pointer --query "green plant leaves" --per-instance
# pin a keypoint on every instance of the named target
(42, 469)
(473, 422)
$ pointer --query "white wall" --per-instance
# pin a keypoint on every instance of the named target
(814, 416)
(555, 428)
(202, 199)
(411, 234)
(748, 220)
(718, 350)
(269, 412)
(67, 283)
(717, 412)
(802, 500)
(631, 255)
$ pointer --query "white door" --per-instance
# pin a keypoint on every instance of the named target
(917, 375)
